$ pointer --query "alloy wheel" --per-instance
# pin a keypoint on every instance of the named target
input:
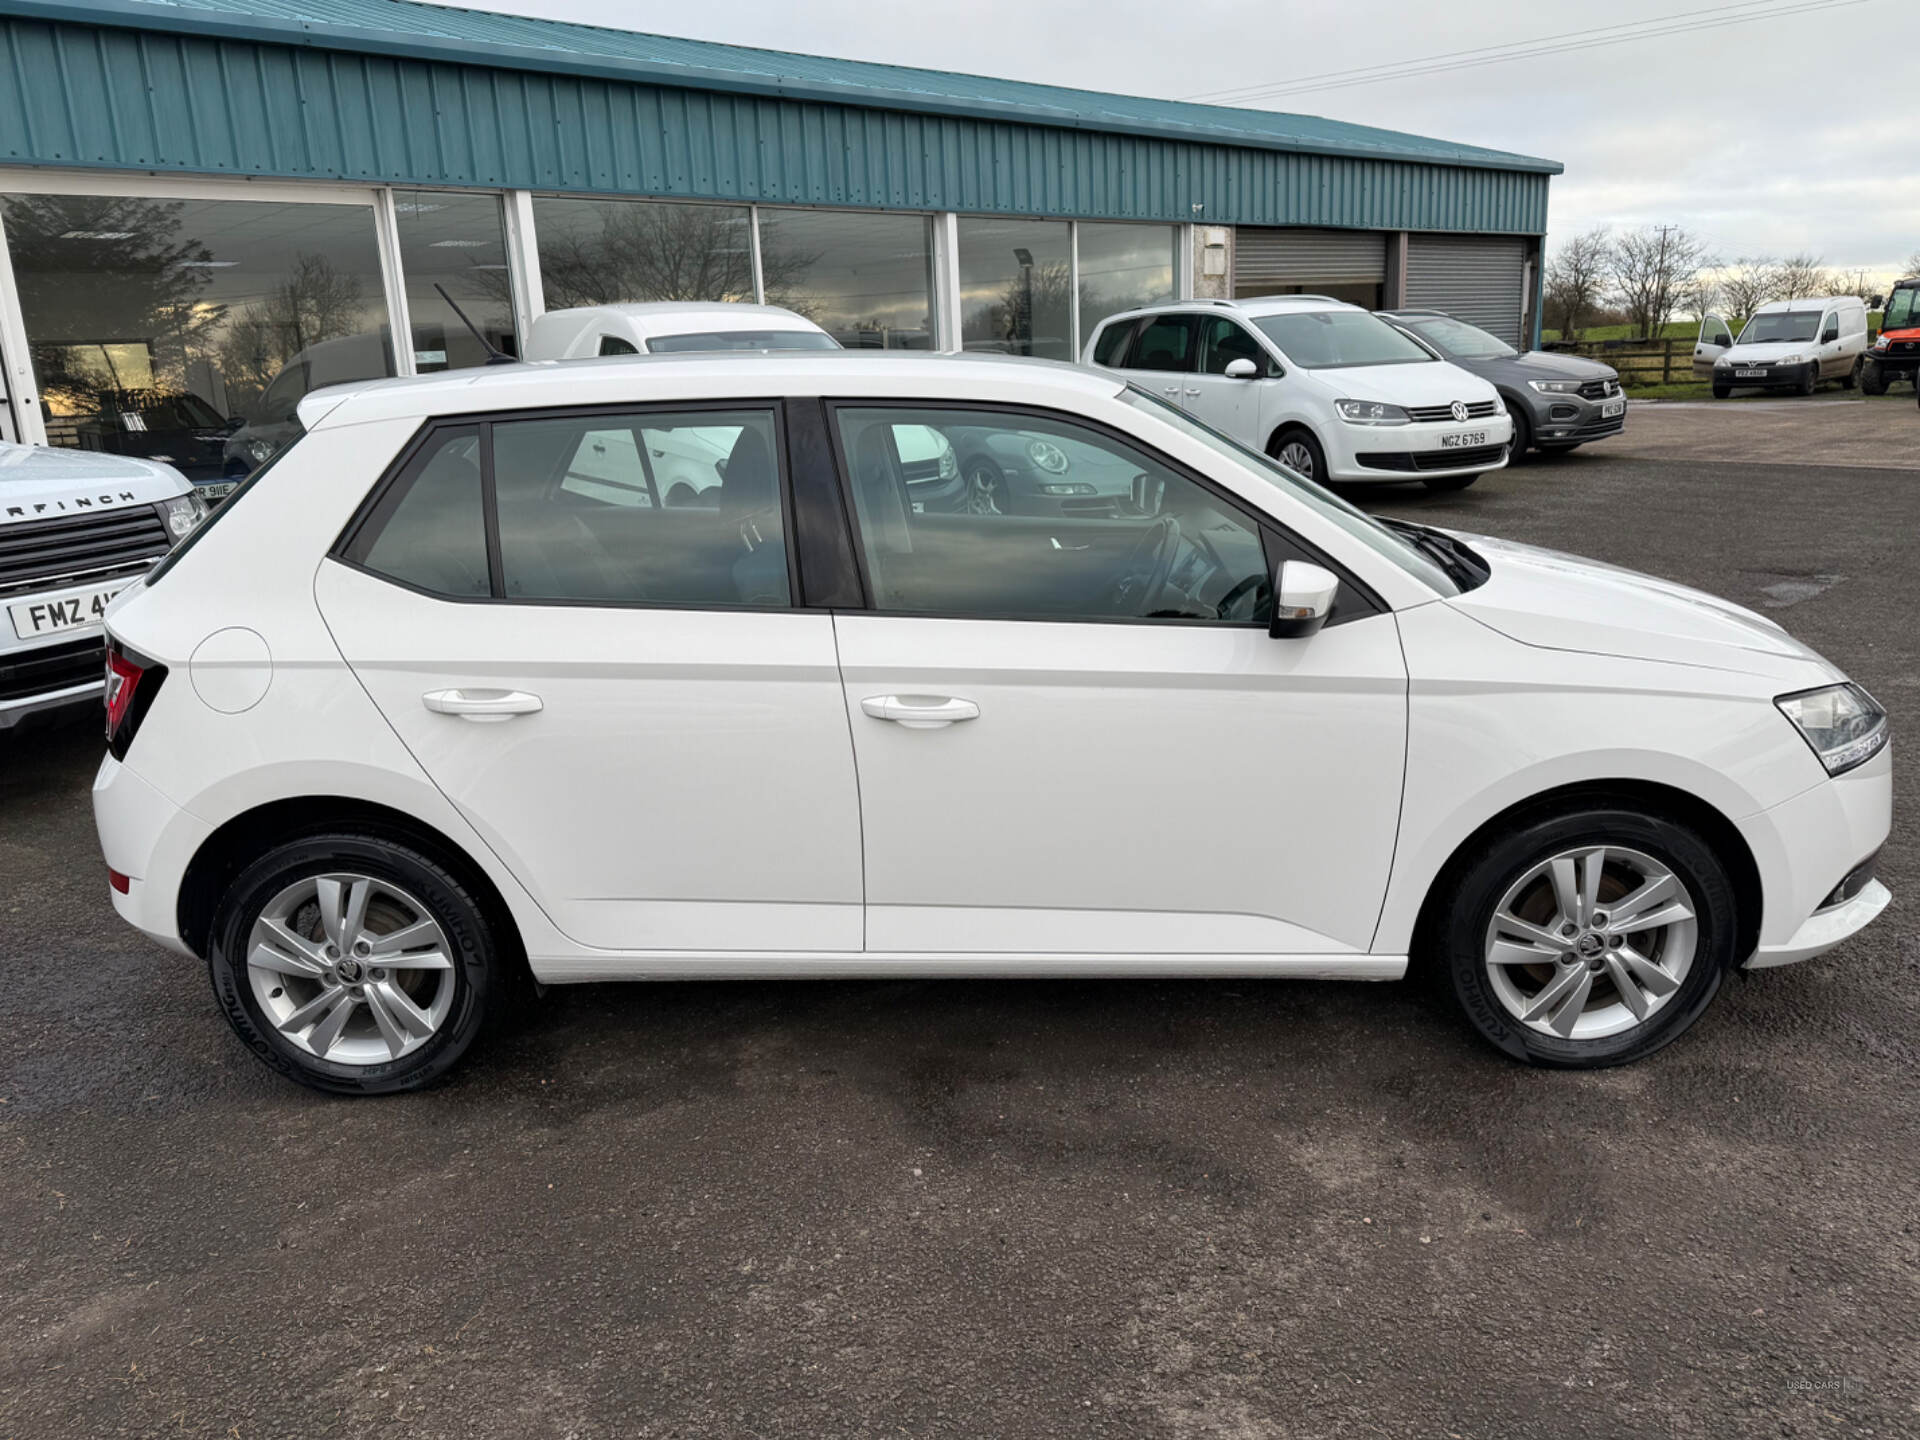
(986, 491)
(1591, 942)
(1297, 457)
(351, 969)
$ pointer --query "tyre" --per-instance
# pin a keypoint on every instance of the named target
(1873, 380)
(1301, 453)
(1522, 432)
(1588, 938)
(987, 492)
(1440, 484)
(1851, 379)
(1810, 381)
(356, 965)
(1721, 392)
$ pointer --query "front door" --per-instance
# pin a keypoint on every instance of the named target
(611, 684)
(1074, 734)
(1716, 338)
(1231, 406)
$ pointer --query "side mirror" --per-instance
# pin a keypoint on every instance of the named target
(1302, 599)
(1241, 369)
(1149, 493)
(1829, 336)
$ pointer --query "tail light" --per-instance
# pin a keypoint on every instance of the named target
(132, 682)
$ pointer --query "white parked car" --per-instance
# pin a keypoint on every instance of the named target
(76, 528)
(670, 327)
(419, 714)
(1788, 344)
(1328, 389)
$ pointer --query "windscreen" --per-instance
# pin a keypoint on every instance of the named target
(741, 340)
(1903, 310)
(1456, 339)
(1337, 339)
(1781, 325)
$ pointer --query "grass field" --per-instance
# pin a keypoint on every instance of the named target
(1687, 330)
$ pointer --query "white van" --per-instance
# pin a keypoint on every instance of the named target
(1326, 388)
(1788, 344)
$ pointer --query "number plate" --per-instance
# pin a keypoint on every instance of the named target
(220, 491)
(1463, 441)
(1613, 408)
(1749, 374)
(55, 613)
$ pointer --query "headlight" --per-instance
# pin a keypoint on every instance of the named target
(1370, 412)
(1047, 456)
(1556, 387)
(260, 451)
(1790, 360)
(1074, 489)
(1844, 725)
(182, 513)
(1882, 343)
(949, 463)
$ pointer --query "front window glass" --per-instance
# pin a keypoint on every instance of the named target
(1714, 331)
(614, 252)
(1016, 287)
(1056, 521)
(1336, 339)
(187, 330)
(740, 340)
(1781, 325)
(1224, 341)
(867, 280)
(1123, 267)
(1361, 526)
(1901, 308)
(457, 243)
(660, 509)
(1456, 339)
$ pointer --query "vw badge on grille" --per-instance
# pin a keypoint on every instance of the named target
(1460, 411)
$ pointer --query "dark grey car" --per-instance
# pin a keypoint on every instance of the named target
(1556, 401)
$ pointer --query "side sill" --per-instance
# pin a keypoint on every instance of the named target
(695, 965)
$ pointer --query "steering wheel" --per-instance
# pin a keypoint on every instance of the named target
(1147, 567)
(1251, 585)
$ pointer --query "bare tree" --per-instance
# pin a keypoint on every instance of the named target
(1700, 292)
(1801, 276)
(1576, 280)
(1747, 284)
(1649, 267)
(659, 252)
(316, 302)
(1912, 267)
(1850, 282)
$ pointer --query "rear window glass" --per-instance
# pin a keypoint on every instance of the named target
(741, 340)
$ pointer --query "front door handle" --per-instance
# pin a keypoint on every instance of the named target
(920, 712)
(1172, 390)
(483, 707)
(1193, 392)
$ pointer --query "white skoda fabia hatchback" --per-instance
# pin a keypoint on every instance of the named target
(455, 694)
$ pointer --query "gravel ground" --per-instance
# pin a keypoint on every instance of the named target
(989, 1209)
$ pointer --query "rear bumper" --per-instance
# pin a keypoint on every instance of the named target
(148, 838)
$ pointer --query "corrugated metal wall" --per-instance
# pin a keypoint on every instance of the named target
(1473, 279)
(79, 95)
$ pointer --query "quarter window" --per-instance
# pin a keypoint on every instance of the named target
(430, 529)
(1054, 520)
(614, 345)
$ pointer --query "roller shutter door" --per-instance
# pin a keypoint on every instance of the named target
(1475, 278)
(1308, 257)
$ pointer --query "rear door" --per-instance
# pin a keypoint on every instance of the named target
(1075, 736)
(1716, 338)
(1163, 357)
(616, 691)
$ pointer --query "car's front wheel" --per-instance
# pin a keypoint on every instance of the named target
(1588, 938)
(355, 965)
(1300, 452)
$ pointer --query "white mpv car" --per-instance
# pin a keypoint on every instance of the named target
(1329, 390)
(421, 713)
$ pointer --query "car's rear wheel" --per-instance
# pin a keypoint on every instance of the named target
(1443, 483)
(1588, 938)
(355, 965)
(1301, 453)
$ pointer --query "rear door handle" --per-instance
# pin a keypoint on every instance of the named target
(920, 712)
(483, 707)
(1193, 392)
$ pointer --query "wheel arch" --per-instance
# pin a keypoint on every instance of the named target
(243, 838)
(1281, 427)
(1667, 801)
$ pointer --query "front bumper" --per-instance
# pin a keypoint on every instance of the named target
(1804, 848)
(67, 673)
(1768, 377)
(1399, 452)
(1574, 420)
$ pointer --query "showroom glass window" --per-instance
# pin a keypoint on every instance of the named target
(865, 279)
(613, 252)
(1122, 267)
(459, 243)
(191, 329)
(1016, 287)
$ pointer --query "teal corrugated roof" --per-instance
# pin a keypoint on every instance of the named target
(475, 37)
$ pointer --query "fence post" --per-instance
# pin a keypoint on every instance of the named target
(1666, 363)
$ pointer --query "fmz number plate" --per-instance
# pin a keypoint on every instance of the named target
(1463, 441)
(55, 613)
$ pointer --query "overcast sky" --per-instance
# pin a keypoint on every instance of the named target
(1767, 137)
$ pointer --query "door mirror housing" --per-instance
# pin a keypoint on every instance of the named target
(1303, 597)
(1830, 334)
(1241, 369)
